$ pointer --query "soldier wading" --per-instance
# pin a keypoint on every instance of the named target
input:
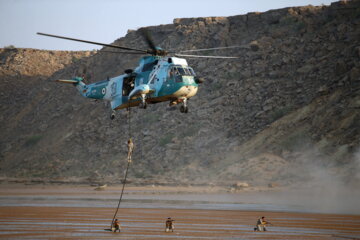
(169, 225)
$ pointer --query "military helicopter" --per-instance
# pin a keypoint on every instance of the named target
(159, 77)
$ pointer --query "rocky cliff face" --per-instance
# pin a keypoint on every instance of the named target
(286, 111)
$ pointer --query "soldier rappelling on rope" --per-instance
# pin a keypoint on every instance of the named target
(130, 146)
(116, 226)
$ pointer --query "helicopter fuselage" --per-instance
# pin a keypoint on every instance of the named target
(156, 79)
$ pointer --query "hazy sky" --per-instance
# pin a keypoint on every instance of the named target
(106, 20)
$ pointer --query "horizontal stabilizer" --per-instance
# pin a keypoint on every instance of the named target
(67, 81)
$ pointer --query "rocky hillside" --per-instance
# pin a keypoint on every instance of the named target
(287, 111)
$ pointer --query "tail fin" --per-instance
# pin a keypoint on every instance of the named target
(75, 80)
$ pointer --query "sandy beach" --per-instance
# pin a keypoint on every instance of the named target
(73, 212)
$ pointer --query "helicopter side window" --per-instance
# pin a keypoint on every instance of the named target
(149, 66)
(178, 77)
(170, 73)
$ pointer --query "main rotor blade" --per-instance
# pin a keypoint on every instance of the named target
(148, 39)
(217, 48)
(96, 43)
(200, 56)
(105, 51)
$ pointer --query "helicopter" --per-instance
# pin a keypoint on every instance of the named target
(159, 77)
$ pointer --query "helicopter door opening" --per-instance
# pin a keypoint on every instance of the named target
(128, 85)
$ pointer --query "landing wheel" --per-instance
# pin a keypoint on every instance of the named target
(143, 105)
(112, 116)
(182, 109)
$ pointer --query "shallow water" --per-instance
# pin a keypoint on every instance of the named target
(82, 213)
(84, 196)
(142, 201)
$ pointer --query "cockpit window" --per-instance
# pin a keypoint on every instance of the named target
(192, 72)
(176, 71)
(187, 72)
(182, 71)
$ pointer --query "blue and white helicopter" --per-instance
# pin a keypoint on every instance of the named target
(158, 78)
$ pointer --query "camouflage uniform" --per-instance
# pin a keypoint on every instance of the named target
(130, 149)
(117, 225)
(260, 224)
(169, 225)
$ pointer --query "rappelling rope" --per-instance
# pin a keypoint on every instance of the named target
(122, 192)
(129, 122)
(126, 173)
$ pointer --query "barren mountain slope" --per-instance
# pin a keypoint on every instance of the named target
(290, 100)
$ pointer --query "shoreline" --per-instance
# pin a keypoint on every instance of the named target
(190, 197)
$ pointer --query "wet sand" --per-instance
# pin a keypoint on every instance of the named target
(89, 223)
(29, 212)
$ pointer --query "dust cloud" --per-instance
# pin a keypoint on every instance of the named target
(325, 188)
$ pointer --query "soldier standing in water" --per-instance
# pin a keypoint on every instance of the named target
(169, 225)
